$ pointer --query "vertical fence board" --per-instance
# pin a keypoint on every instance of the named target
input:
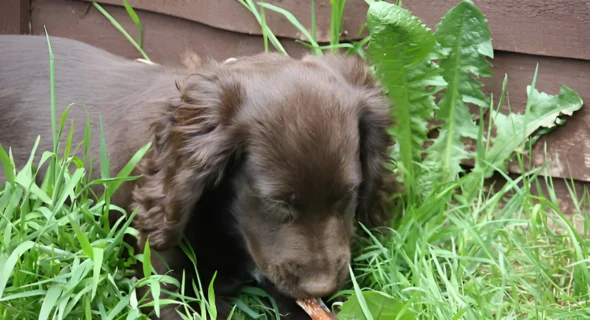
(14, 16)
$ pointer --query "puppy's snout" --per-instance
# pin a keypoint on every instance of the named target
(320, 286)
(323, 283)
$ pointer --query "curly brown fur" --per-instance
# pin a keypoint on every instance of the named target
(262, 163)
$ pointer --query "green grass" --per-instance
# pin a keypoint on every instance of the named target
(456, 250)
(482, 261)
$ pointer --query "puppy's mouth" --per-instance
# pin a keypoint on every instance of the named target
(287, 285)
(287, 279)
(314, 307)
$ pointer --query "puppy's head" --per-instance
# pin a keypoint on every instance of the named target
(308, 138)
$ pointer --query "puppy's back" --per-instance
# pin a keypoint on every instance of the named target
(108, 86)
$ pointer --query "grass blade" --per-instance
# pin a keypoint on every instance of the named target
(133, 15)
(295, 23)
(10, 263)
(121, 29)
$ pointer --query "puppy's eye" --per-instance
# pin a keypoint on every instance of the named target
(291, 200)
(283, 213)
(286, 202)
(284, 208)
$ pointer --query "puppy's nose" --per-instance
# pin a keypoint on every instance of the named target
(320, 286)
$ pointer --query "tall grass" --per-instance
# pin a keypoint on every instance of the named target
(59, 257)
(458, 248)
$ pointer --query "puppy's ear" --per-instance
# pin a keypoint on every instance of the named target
(374, 120)
(193, 141)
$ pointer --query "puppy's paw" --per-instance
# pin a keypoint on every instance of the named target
(153, 224)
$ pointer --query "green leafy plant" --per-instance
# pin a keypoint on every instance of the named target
(401, 50)
(458, 250)
(514, 130)
(411, 63)
(465, 43)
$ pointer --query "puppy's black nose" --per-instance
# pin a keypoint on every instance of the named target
(319, 286)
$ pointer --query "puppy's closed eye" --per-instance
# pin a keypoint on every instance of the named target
(280, 209)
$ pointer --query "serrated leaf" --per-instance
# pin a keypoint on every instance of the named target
(380, 306)
(401, 50)
(465, 41)
(514, 130)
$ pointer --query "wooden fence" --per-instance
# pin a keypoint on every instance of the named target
(554, 34)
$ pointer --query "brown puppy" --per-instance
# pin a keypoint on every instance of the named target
(262, 163)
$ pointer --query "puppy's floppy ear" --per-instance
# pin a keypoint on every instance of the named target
(374, 144)
(194, 139)
(373, 122)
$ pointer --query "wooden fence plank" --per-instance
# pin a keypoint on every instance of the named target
(14, 16)
(233, 16)
(559, 28)
(67, 19)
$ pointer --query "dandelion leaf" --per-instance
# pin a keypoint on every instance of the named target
(515, 129)
(465, 42)
(401, 50)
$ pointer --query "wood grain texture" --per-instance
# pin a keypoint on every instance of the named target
(559, 28)
(14, 16)
(165, 38)
(232, 16)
